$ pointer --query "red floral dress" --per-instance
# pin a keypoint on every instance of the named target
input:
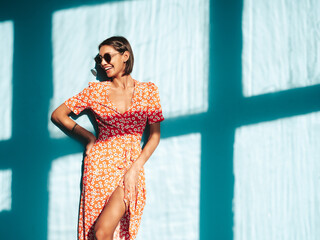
(116, 148)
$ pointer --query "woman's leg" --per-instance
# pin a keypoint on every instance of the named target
(110, 215)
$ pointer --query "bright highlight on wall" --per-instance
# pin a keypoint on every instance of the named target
(172, 210)
(6, 58)
(281, 42)
(276, 168)
(5, 187)
(169, 39)
(173, 190)
(64, 197)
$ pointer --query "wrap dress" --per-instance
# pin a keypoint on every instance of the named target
(116, 148)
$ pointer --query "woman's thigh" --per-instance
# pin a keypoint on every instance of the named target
(112, 212)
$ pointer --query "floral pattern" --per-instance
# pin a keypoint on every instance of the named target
(116, 148)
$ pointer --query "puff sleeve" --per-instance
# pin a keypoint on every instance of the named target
(81, 101)
(154, 107)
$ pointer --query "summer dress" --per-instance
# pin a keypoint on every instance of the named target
(116, 148)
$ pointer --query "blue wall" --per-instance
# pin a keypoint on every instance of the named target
(30, 149)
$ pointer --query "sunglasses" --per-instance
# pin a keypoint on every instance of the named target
(107, 57)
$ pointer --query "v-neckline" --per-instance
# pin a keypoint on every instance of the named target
(131, 102)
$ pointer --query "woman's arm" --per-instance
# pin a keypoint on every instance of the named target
(60, 116)
(131, 177)
(151, 145)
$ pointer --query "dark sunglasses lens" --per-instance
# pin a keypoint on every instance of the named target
(107, 57)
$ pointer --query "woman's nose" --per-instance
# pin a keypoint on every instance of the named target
(103, 61)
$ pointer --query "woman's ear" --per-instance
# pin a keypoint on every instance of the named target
(125, 56)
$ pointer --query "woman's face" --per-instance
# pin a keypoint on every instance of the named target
(117, 64)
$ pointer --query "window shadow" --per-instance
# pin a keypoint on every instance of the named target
(30, 150)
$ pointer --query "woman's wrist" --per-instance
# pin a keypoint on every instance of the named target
(91, 138)
(84, 134)
(137, 165)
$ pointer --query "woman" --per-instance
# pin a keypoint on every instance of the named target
(113, 191)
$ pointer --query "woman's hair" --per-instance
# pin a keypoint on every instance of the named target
(121, 45)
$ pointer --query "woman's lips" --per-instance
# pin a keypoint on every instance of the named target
(107, 68)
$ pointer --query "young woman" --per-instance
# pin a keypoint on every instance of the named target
(113, 191)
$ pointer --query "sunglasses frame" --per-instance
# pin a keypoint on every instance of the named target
(107, 57)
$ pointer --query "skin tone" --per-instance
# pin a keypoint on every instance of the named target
(120, 95)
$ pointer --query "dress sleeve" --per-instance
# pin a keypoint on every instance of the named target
(81, 101)
(154, 106)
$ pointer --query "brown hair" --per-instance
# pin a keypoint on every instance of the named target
(121, 45)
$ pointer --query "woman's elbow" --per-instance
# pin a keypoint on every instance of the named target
(54, 116)
(60, 113)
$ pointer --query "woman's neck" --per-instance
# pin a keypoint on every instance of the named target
(123, 82)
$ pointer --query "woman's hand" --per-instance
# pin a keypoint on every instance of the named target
(132, 175)
(131, 183)
(90, 143)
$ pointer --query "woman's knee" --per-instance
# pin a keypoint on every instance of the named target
(103, 233)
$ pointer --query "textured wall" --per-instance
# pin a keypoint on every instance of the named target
(6, 55)
(255, 105)
(5, 186)
(277, 179)
(281, 47)
(276, 163)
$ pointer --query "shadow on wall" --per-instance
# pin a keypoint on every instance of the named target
(30, 150)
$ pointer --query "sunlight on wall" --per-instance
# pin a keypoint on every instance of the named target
(5, 189)
(6, 58)
(170, 42)
(64, 197)
(172, 210)
(281, 45)
(277, 179)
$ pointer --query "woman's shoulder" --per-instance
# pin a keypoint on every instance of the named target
(93, 84)
(148, 85)
(98, 84)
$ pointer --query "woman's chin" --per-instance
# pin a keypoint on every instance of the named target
(110, 75)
